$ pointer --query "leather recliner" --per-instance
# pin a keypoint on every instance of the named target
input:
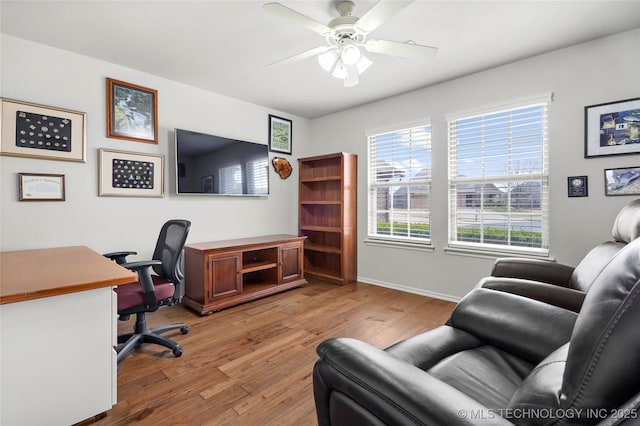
(501, 358)
(560, 284)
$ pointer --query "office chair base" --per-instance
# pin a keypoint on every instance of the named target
(132, 340)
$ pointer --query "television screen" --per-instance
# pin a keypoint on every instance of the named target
(208, 164)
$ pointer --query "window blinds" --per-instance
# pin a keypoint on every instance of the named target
(400, 183)
(498, 178)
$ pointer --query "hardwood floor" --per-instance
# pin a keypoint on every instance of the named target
(252, 364)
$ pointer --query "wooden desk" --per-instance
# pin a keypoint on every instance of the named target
(57, 331)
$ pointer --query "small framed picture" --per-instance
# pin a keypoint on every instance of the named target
(612, 128)
(132, 112)
(280, 131)
(40, 131)
(624, 181)
(577, 186)
(40, 187)
(130, 174)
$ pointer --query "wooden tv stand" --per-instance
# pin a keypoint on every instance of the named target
(219, 274)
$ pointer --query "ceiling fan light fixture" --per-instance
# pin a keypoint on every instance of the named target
(339, 71)
(351, 76)
(350, 54)
(328, 59)
(363, 64)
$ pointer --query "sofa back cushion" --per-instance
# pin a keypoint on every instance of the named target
(603, 363)
(590, 266)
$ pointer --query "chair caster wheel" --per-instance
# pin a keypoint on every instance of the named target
(184, 330)
(177, 352)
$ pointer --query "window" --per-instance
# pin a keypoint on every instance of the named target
(498, 179)
(400, 184)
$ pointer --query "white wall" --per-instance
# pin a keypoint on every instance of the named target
(41, 74)
(596, 72)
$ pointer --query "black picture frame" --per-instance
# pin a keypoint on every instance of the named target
(622, 181)
(280, 134)
(578, 186)
(612, 128)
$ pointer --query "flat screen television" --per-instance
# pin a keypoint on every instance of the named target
(215, 165)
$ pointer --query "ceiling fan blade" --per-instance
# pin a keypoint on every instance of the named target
(301, 56)
(292, 15)
(400, 49)
(380, 12)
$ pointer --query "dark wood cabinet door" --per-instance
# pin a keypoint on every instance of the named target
(291, 262)
(225, 279)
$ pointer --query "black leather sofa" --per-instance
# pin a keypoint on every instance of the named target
(500, 359)
(559, 284)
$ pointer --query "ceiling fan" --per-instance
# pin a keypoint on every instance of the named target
(346, 34)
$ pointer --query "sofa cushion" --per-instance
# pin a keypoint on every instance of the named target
(486, 374)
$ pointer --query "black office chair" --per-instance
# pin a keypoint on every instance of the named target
(163, 288)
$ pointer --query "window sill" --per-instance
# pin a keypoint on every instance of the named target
(495, 254)
(409, 245)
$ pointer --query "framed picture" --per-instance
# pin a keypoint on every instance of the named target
(624, 181)
(612, 128)
(130, 174)
(132, 112)
(40, 131)
(40, 187)
(577, 186)
(280, 131)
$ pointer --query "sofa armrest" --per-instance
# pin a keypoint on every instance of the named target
(524, 327)
(533, 269)
(563, 297)
(356, 383)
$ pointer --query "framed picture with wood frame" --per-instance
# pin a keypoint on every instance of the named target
(132, 112)
(40, 187)
(39, 131)
(130, 174)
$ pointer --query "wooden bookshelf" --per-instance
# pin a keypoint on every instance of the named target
(327, 216)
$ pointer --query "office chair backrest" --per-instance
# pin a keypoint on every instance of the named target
(171, 240)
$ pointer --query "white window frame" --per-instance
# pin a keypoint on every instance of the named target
(542, 176)
(373, 237)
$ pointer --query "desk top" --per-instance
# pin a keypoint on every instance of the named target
(33, 274)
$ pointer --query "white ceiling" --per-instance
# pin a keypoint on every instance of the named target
(224, 46)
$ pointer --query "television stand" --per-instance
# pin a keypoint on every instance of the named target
(220, 274)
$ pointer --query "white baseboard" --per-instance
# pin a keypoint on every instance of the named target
(435, 295)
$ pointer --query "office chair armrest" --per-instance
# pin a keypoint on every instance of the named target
(119, 257)
(143, 268)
